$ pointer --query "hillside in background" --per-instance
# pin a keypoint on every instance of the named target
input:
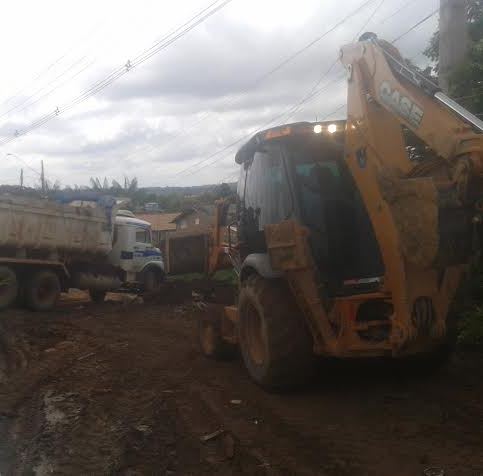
(194, 190)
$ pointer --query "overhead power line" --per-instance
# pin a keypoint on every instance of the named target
(310, 96)
(235, 97)
(263, 126)
(158, 46)
(141, 58)
(420, 22)
(27, 99)
(23, 162)
(313, 90)
(44, 71)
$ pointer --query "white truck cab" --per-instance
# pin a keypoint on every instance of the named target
(134, 253)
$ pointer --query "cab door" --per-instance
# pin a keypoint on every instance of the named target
(143, 248)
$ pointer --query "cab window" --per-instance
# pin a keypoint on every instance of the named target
(267, 190)
(143, 235)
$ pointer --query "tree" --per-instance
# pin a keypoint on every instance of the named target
(466, 83)
(223, 190)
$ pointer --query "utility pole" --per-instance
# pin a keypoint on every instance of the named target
(21, 178)
(42, 176)
(453, 38)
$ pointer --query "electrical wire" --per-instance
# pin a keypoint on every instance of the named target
(158, 47)
(280, 115)
(141, 58)
(312, 92)
(420, 22)
(264, 76)
(57, 61)
(26, 100)
(23, 162)
(397, 11)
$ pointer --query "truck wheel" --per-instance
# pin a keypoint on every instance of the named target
(210, 338)
(8, 287)
(97, 296)
(42, 291)
(274, 340)
(152, 280)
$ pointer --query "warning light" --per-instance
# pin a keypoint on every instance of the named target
(317, 128)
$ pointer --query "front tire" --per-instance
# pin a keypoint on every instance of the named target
(210, 337)
(152, 280)
(42, 291)
(97, 296)
(8, 287)
(274, 340)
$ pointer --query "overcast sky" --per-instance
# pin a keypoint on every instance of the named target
(187, 102)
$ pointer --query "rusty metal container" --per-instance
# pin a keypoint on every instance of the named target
(41, 224)
(187, 252)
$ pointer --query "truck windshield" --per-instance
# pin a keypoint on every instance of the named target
(143, 235)
(341, 238)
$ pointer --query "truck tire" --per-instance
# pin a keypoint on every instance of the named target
(42, 291)
(8, 287)
(274, 340)
(152, 279)
(210, 337)
(97, 295)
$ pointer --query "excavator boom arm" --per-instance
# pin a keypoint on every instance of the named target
(417, 103)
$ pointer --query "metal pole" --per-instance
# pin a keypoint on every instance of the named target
(42, 176)
(453, 38)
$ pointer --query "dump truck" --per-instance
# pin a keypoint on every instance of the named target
(350, 241)
(75, 240)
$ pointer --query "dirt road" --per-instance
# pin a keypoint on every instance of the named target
(120, 388)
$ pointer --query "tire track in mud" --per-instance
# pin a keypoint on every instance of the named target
(130, 394)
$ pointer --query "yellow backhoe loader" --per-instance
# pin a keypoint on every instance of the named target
(349, 243)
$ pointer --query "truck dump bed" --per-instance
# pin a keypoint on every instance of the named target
(41, 224)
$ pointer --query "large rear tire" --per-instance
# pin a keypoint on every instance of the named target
(274, 340)
(42, 291)
(8, 287)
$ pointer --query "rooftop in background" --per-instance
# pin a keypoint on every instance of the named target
(208, 210)
(160, 221)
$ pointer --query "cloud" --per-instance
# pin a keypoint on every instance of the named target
(200, 94)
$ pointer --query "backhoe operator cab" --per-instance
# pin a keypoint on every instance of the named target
(297, 172)
(312, 277)
(352, 242)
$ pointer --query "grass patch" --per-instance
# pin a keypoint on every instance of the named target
(227, 276)
(471, 328)
(187, 277)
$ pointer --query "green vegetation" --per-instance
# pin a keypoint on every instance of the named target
(172, 199)
(186, 277)
(471, 328)
(470, 305)
(466, 84)
(226, 276)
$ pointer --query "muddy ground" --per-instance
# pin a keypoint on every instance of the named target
(121, 388)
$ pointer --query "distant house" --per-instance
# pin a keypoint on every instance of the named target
(195, 218)
(161, 225)
(151, 207)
